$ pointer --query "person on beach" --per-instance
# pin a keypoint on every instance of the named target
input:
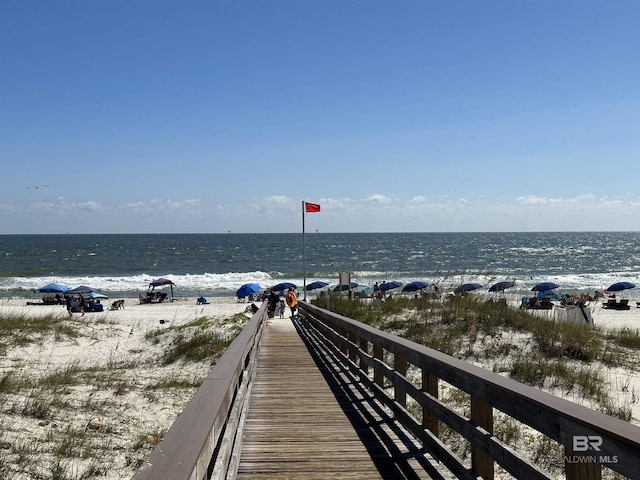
(273, 303)
(292, 301)
(67, 302)
(81, 304)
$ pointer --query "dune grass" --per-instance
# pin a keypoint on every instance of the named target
(556, 356)
(73, 420)
(563, 358)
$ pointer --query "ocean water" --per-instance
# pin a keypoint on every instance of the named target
(217, 264)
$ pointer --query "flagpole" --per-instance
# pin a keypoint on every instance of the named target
(304, 260)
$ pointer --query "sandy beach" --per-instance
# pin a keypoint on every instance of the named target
(99, 399)
(108, 396)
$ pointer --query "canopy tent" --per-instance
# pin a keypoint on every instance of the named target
(161, 282)
(82, 289)
(94, 296)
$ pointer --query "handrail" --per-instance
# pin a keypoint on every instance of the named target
(591, 439)
(199, 444)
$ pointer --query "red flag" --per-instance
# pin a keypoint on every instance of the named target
(311, 207)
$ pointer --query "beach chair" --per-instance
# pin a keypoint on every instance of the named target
(611, 303)
(202, 301)
(623, 304)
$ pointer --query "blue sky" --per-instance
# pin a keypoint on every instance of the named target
(213, 116)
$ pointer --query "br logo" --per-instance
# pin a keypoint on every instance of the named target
(582, 443)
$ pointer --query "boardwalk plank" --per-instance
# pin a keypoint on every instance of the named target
(302, 422)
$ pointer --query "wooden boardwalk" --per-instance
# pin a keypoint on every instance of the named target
(308, 418)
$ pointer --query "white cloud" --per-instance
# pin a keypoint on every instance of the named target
(378, 198)
(417, 200)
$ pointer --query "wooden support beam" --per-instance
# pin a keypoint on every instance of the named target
(430, 386)
(482, 416)
(580, 470)
(400, 366)
(378, 353)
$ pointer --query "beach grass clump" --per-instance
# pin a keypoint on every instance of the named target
(174, 381)
(195, 341)
(537, 370)
(356, 308)
(21, 329)
(61, 379)
(626, 337)
(196, 347)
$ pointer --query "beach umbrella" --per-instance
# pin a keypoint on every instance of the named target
(247, 289)
(283, 286)
(389, 286)
(344, 287)
(544, 286)
(467, 287)
(501, 286)
(314, 285)
(620, 286)
(53, 288)
(415, 286)
(83, 289)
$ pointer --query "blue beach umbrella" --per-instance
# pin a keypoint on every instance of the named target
(467, 287)
(314, 285)
(415, 286)
(544, 286)
(247, 289)
(53, 288)
(339, 288)
(283, 286)
(620, 286)
(389, 286)
(501, 286)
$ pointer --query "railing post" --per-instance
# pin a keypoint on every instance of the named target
(400, 366)
(364, 346)
(482, 416)
(576, 470)
(353, 356)
(342, 345)
(430, 386)
(378, 353)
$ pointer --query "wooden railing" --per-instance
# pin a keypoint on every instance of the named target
(200, 443)
(386, 364)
